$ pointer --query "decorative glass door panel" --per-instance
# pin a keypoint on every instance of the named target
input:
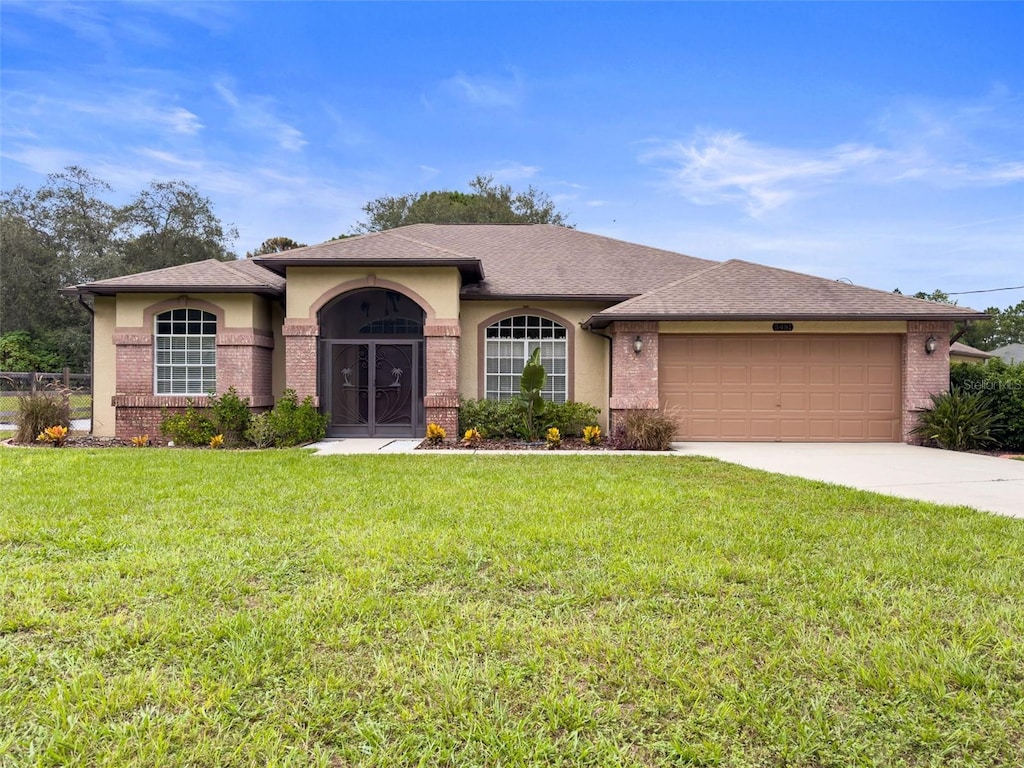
(375, 388)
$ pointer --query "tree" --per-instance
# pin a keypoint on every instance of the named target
(65, 233)
(169, 224)
(1005, 327)
(487, 203)
(274, 245)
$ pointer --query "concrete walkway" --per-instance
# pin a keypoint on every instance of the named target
(986, 483)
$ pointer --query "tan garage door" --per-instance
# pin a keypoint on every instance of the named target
(782, 388)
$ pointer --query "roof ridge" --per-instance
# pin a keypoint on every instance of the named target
(394, 233)
(714, 265)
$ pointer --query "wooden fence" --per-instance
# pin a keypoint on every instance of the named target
(16, 383)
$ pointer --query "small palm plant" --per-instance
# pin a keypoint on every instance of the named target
(531, 384)
(957, 421)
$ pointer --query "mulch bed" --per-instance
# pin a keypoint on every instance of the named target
(568, 444)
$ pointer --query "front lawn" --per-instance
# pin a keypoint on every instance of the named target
(171, 607)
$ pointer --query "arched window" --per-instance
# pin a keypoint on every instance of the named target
(186, 352)
(509, 344)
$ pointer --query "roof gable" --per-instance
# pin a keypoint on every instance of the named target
(210, 276)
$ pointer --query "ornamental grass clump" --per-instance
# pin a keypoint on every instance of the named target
(40, 410)
(957, 421)
(435, 434)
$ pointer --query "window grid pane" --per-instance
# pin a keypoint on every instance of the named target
(509, 344)
(186, 352)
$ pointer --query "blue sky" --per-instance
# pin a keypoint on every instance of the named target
(878, 143)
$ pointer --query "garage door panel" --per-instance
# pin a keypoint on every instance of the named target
(764, 374)
(706, 401)
(764, 401)
(852, 376)
(794, 375)
(735, 401)
(819, 402)
(810, 388)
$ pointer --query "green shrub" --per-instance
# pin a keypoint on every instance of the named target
(188, 427)
(231, 416)
(36, 412)
(646, 430)
(958, 421)
(570, 417)
(491, 418)
(294, 423)
(504, 418)
(1003, 385)
(261, 432)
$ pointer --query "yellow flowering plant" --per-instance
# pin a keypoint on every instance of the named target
(592, 435)
(554, 438)
(56, 434)
(472, 437)
(435, 434)
(217, 441)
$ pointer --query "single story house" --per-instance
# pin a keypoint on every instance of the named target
(965, 353)
(387, 331)
(1010, 353)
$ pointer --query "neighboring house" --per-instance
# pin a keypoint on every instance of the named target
(1011, 353)
(963, 353)
(386, 331)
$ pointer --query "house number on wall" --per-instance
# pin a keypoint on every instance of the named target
(782, 326)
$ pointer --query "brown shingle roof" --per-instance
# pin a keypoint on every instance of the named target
(965, 350)
(518, 260)
(210, 276)
(741, 290)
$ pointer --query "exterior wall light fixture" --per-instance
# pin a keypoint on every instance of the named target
(930, 345)
(638, 345)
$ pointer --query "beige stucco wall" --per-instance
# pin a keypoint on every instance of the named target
(103, 366)
(436, 287)
(590, 355)
(799, 326)
(241, 310)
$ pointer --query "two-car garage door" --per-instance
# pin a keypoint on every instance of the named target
(843, 388)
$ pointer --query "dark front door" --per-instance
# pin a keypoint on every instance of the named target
(376, 388)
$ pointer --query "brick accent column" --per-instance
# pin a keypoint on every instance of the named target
(442, 363)
(134, 363)
(634, 376)
(244, 362)
(923, 374)
(300, 359)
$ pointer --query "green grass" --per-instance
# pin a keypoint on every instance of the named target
(203, 608)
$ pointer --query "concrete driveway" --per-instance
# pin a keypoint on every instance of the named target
(983, 482)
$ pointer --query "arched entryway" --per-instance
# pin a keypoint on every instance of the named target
(372, 374)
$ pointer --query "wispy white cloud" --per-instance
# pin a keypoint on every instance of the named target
(515, 172)
(484, 91)
(946, 145)
(255, 113)
(725, 167)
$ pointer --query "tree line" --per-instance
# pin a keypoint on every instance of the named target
(67, 233)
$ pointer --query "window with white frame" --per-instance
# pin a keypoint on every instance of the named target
(186, 352)
(509, 344)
